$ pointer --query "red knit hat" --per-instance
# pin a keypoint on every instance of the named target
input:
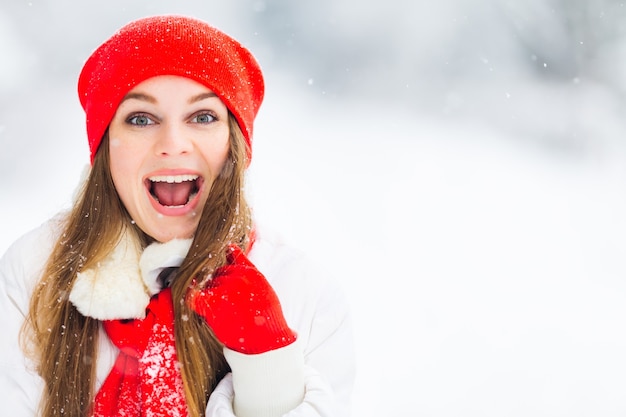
(168, 45)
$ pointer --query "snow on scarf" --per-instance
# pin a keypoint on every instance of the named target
(146, 379)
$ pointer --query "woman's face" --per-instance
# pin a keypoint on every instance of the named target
(168, 142)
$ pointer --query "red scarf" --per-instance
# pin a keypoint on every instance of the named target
(145, 380)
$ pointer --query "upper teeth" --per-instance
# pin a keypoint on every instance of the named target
(173, 178)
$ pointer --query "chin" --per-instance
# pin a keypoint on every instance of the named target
(165, 233)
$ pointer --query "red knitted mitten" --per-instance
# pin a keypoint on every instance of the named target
(242, 308)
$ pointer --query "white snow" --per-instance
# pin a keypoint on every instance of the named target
(482, 250)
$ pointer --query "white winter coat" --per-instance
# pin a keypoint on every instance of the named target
(314, 306)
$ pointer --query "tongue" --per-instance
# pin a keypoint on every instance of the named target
(176, 194)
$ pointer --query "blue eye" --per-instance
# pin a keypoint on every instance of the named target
(140, 120)
(204, 118)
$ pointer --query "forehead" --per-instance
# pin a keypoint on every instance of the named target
(170, 82)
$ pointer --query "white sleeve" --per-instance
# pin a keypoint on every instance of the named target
(20, 268)
(317, 398)
(267, 384)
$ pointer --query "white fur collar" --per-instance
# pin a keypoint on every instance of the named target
(121, 285)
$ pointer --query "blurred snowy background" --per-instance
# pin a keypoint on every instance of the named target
(459, 165)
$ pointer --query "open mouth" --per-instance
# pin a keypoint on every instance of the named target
(173, 190)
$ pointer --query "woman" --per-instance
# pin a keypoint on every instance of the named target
(157, 294)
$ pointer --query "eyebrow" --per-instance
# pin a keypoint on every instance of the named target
(202, 96)
(139, 96)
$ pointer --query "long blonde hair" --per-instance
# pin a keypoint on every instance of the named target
(63, 343)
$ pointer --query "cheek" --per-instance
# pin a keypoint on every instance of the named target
(122, 166)
(114, 143)
(216, 154)
(220, 158)
(116, 158)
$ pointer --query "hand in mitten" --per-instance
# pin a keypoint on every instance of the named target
(242, 308)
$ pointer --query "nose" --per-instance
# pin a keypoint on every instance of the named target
(172, 140)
